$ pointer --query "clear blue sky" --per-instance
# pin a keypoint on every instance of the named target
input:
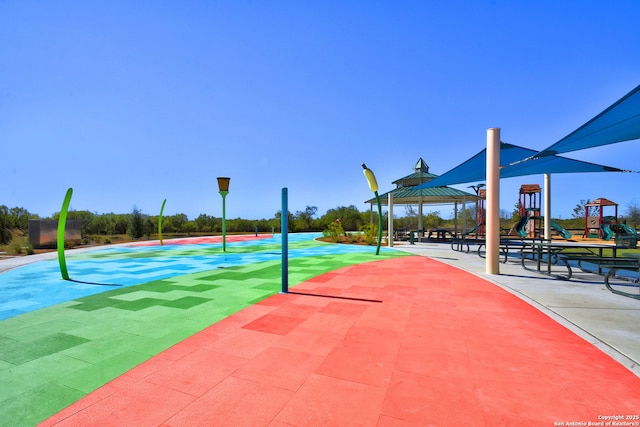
(132, 102)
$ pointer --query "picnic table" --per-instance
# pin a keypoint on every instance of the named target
(440, 234)
(548, 253)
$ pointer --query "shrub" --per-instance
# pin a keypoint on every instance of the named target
(334, 231)
(370, 232)
(19, 244)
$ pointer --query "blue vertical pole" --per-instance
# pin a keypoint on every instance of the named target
(284, 225)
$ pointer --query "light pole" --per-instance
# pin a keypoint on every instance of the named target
(223, 186)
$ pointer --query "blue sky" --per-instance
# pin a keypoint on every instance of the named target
(132, 102)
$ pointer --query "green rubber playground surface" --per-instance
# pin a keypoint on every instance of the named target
(51, 357)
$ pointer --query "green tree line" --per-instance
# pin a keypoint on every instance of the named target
(137, 224)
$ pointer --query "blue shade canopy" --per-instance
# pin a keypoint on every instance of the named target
(620, 122)
(475, 169)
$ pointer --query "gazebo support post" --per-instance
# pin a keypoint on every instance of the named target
(420, 213)
(455, 217)
(390, 226)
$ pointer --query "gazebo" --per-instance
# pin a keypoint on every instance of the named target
(405, 193)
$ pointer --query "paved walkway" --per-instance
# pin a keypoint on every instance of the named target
(408, 341)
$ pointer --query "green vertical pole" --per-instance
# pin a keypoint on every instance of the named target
(62, 223)
(224, 221)
(379, 223)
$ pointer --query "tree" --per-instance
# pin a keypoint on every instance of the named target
(290, 220)
(348, 215)
(121, 223)
(432, 220)
(633, 214)
(306, 217)
(149, 227)
(410, 218)
(5, 225)
(205, 223)
(20, 218)
(579, 210)
(136, 223)
(86, 218)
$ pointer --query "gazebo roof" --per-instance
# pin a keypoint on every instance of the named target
(406, 194)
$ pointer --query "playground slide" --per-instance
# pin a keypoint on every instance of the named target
(628, 230)
(563, 232)
(473, 230)
(607, 233)
(521, 226)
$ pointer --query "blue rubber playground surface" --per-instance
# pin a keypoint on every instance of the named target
(40, 284)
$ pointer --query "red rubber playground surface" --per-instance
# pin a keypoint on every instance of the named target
(405, 341)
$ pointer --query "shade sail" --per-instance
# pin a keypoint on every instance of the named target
(620, 122)
(475, 169)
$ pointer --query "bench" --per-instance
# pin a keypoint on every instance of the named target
(631, 264)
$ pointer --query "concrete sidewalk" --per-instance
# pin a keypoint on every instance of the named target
(583, 304)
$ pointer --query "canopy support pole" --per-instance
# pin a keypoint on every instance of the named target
(547, 206)
(493, 202)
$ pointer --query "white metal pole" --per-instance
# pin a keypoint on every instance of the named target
(493, 202)
(390, 227)
(455, 216)
(547, 206)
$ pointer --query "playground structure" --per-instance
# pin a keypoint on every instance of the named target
(605, 227)
(529, 202)
(530, 223)
(597, 225)
(481, 213)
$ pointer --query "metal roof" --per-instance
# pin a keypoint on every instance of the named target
(407, 194)
(414, 179)
(434, 196)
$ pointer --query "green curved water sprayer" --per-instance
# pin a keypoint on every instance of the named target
(62, 223)
(160, 222)
(373, 186)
